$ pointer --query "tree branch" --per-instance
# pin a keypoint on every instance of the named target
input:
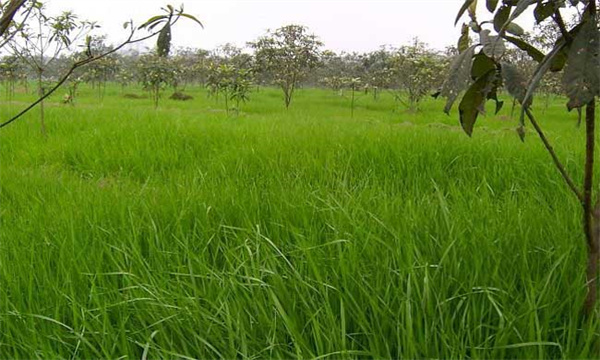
(589, 171)
(555, 158)
(11, 10)
(561, 25)
(79, 64)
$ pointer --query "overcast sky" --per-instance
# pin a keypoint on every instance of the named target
(350, 25)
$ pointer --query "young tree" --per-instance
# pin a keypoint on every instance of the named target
(287, 55)
(155, 73)
(234, 83)
(481, 69)
(11, 71)
(99, 72)
(377, 71)
(354, 85)
(417, 70)
(41, 42)
(335, 83)
(9, 27)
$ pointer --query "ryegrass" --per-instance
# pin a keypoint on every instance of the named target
(180, 232)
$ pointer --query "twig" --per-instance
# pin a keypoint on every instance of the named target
(79, 64)
(555, 158)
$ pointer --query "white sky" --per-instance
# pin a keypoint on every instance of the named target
(350, 25)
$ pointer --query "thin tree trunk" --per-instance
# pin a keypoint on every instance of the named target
(41, 94)
(352, 104)
(591, 217)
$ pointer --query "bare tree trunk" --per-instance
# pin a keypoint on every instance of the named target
(591, 217)
(352, 103)
(288, 96)
(592, 266)
(41, 94)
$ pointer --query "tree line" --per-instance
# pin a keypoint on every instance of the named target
(288, 58)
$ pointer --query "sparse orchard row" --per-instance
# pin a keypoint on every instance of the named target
(410, 72)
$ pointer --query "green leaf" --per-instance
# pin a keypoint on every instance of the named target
(501, 17)
(491, 5)
(495, 82)
(493, 46)
(482, 64)
(191, 17)
(462, 10)
(459, 78)
(152, 20)
(515, 29)
(515, 82)
(533, 52)
(522, 5)
(151, 27)
(539, 73)
(473, 102)
(560, 60)
(582, 72)
(463, 41)
(473, 11)
(543, 11)
(163, 43)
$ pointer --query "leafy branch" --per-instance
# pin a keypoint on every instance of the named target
(173, 18)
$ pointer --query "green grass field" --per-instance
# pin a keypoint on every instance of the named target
(180, 232)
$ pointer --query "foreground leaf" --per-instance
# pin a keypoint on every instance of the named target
(463, 41)
(515, 83)
(501, 17)
(491, 5)
(531, 50)
(522, 5)
(462, 10)
(473, 102)
(540, 71)
(493, 46)
(582, 72)
(459, 79)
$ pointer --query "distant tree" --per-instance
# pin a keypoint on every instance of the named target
(482, 68)
(333, 65)
(155, 73)
(287, 55)
(191, 66)
(72, 86)
(377, 72)
(417, 70)
(99, 72)
(233, 83)
(125, 77)
(354, 85)
(335, 83)
(11, 72)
